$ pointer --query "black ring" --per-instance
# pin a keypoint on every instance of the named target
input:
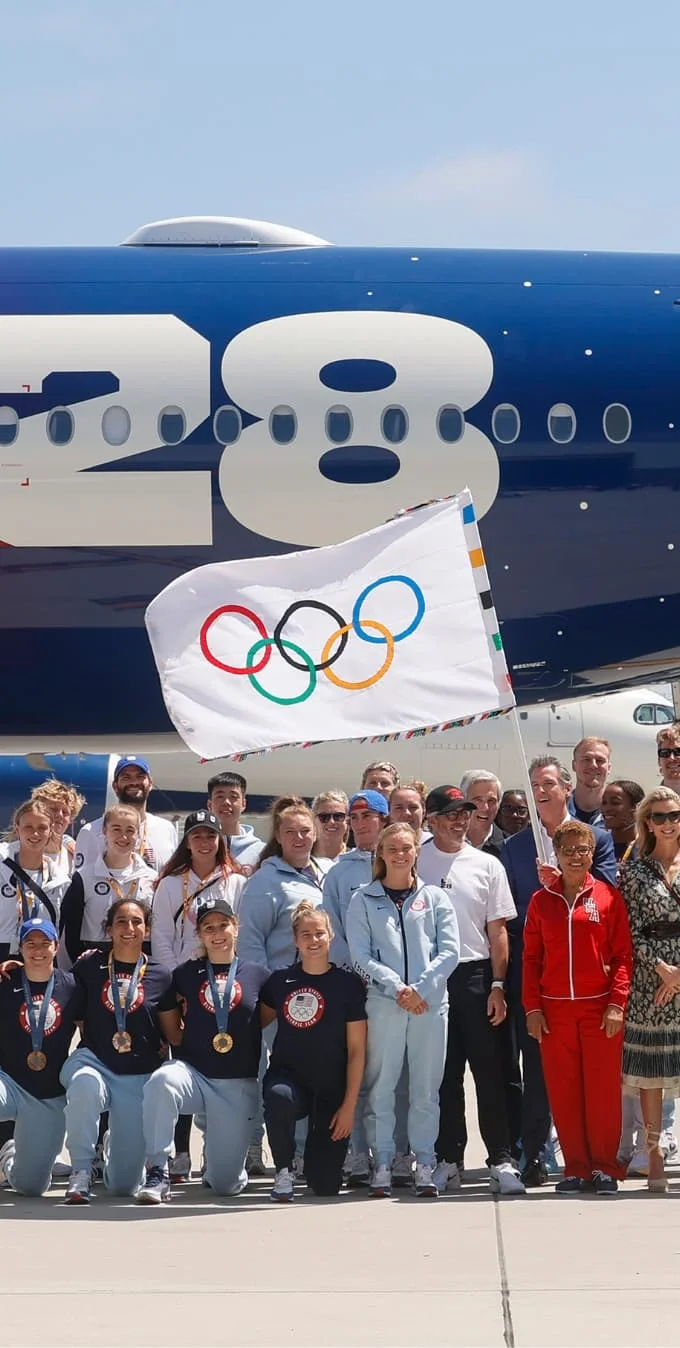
(325, 608)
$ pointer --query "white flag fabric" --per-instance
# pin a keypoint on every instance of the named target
(387, 633)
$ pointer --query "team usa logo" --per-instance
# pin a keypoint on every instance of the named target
(205, 996)
(303, 1009)
(53, 1015)
(102, 887)
(419, 905)
(123, 981)
(9, 890)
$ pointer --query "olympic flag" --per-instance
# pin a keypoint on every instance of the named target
(393, 632)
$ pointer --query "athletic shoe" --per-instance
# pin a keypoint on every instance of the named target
(6, 1159)
(571, 1184)
(446, 1176)
(505, 1179)
(299, 1170)
(381, 1183)
(78, 1190)
(639, 1166)
(359, 1171)
(179, 1168)
(402, 1171)
(156, 1186)
(534, 1174)
(61, 1169)
(425, 1183)
(283, 1187)
(99, 1162)
(254, 1160)
(603, 1184)
(669, 1146)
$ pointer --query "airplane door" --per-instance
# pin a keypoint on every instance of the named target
(565, 725)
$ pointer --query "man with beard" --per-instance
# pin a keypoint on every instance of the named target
(132, 784)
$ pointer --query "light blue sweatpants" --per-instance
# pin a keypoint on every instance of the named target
(359, 1139)
(38, 1136)
(633, 1132)
(224, 1110)
(91, 1089)
(393, 1033)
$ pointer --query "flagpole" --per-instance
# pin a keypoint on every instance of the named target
(533, 812)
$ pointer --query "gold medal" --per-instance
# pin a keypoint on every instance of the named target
(36, 1060)
(122, 1041)
(223, 1042)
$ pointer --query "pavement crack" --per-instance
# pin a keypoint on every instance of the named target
(506, 1310)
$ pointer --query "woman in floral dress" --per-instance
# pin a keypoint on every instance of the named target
(651, 888)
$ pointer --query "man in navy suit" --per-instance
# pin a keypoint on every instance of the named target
(551, 785)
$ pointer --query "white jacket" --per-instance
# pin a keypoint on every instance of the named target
(157, 843)
(92, 891)
(53, 884)
(173, 934)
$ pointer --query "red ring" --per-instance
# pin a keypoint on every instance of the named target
(246, 613)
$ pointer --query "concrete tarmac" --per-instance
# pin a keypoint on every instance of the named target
(464, 1269)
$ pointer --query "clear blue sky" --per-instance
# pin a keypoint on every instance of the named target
(488, 123)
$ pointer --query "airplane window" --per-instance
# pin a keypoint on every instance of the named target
(394, 425)
(663, 715)
(60, 426)
(116, 425)
(450, 423)
(338, 424)
(505, 424)
(227, 425)
(644, 715)
(283, 425)
(171, 425)
(617, 423)
(9, 425)
(561, 423)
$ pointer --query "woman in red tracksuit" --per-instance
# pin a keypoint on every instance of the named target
(576, 977)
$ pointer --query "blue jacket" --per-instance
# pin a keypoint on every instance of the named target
(267, 903)
(351, 870)
(417, 947)
(519, 858)
(245, 847)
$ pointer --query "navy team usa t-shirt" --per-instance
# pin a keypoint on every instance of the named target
(193, 985)
(67, 1005)
(154, 993)
(312, 1013)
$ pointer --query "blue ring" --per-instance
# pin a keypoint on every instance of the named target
(380, 641)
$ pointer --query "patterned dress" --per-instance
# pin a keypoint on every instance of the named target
(651, 1048)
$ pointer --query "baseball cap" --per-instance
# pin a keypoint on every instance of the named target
(40, 924)
(131, 761)
(371, 800)
(205, 907)
(447, 800)
(201, 819)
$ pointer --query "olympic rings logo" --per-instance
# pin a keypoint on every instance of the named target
(332, 650)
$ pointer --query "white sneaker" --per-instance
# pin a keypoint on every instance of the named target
(254, 1160)
(446, 1176)
(7, 1151)
(381, 1183)
(669, 1145)
(505, 1179)
(282, 1191)
(78, 1190)
(425, 1183)
(179, 1168)
(61, 1169)
(402, 1170)
(299, 1170)
(359, 1172)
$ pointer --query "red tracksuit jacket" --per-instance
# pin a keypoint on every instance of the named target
(580, 952)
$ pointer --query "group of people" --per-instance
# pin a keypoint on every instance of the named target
(332, 982)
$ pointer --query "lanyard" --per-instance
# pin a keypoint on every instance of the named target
(121, 1007)
(187, 898)
(128, 892)
(28, 904)
(37, 1021)
(221, 1003)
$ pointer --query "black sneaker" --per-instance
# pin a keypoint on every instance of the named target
(156, 1186)
(534, 1175)
(604, 1185)
(571, 1184)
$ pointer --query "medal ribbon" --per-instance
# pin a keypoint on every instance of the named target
(128, 893)
(37, 1020)
(121, 1008)
(221, 1004)
(28, 904)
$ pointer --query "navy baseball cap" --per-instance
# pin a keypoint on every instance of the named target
(131, 761)
(447, 800)
(201, 819)
(39, 924)
(205, 907)
(371, 800)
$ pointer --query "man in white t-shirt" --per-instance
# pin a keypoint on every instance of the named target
(478, 888)
(132, 784)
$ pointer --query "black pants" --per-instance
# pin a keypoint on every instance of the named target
(284, 1103)
(474, 1040)
(535, 1107)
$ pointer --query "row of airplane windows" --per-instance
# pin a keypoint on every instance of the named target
(506, 424)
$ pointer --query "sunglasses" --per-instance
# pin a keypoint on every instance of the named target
(337, 816)
(665, 816)
(575, 851)
(669, 753)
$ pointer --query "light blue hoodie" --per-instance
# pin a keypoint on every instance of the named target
(245, 847)
(267, 903)
(351, 870)
(418, 946)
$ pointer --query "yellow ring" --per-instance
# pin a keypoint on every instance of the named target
(364, 683)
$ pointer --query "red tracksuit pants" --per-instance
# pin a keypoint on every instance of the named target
(582, 1070)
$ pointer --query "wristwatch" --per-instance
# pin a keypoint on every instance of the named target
(498, 983)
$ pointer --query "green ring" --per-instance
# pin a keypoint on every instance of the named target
(290, 645)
